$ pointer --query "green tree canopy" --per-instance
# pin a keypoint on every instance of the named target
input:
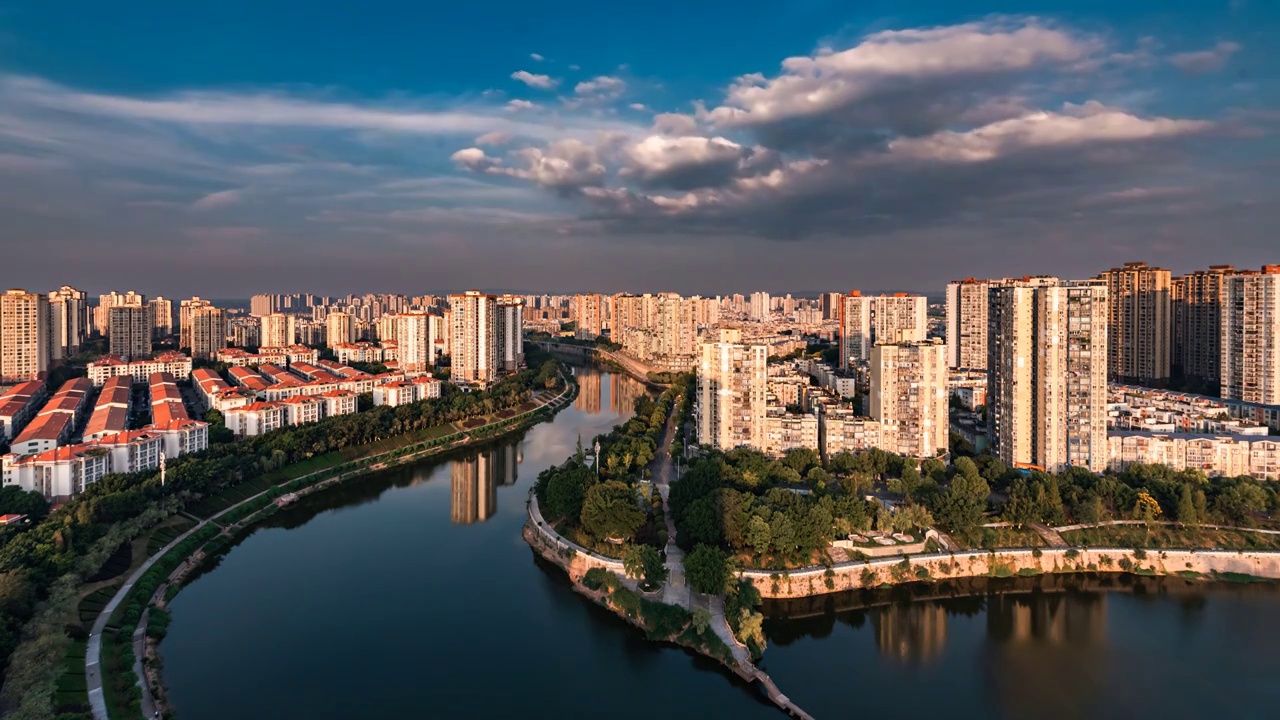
(707, 569)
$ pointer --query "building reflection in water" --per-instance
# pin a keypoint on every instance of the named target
(912, 633)
(476, 479)
(623, 393)
(1046, 655)
(589, 391)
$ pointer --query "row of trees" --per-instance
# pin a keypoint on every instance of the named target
(31, 559)
(600, 498)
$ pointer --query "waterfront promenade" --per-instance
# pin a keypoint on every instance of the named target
(94, 647)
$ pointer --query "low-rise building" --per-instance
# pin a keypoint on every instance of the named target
(111, 410)
(843, 430)
(18, 405)
(56, 422)
(787, 431)
(405, 392)
(1222, 455)
(174, 363)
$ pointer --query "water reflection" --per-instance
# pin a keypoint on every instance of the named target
(911, 633)
(475, 481)
(597, 390)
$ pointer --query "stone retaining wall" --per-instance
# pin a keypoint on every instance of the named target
(1006, 563)
(575, 559)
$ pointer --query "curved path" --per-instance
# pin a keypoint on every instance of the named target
(93, 650)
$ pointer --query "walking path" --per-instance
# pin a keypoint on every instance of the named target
(676, 590)
(1048, 534)
(93, 650)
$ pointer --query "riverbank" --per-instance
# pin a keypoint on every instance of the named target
(932, 567)
(158, 580)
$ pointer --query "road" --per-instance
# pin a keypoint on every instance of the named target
(676, 591)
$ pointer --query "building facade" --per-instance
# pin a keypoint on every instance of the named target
(733, 391)
(475, 337)
(1140, 323)
(967, 324)
(1250, 364)
(24, 336)
(1198, 300)
(1047, 374)
(909, 397)
(129, 331)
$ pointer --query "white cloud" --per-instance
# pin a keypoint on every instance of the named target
(639, 107)
(220, 199)
(1205, 61)
(521, 105)
(542, 82)
(674, 124)
(602, 85)
(1077, 125)
(493, 138)
(659, 156)
(537, 57)
(884, 61)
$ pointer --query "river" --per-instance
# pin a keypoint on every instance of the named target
(410, 594)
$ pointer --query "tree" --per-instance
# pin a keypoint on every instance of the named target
(1145, 507)
(644, 562)
(700, 522)
(817, 477)
(801, 459)
(707, 569)
(961, 506)
(14, 500)
(759, 535)
(1186, 506)
(701, 619)
(911, 517)
(751, 631)
(565, 493)
(609, 511)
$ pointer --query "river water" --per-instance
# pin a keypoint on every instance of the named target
(411, 594)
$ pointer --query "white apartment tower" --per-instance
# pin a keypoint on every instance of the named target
(340, 328)
(102, 313)
(185, 310)
(278, 330)
(588, 312)
(900, 318)
(733, 389)
(510, 320)
(855, 329)
(415, 337)
(129, 331)
(1251, 336)
(967, 324)
(474, 337)
(1140, 323)
(161, 318)
(68, 310)
(208, 328)
(761, 304)
(24, 336)
(909, 397)
(1047, 373)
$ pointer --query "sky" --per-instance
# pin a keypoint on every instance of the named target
(711, 147)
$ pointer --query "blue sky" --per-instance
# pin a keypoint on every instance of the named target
(224, 149)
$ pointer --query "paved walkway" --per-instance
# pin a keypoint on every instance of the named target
(1048, 534)
(676, 591)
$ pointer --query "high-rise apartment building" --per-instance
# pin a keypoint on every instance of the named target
(761, 305)
(68, 318)
(509, 316)
(1140, 323)
(186, 309)
(416, 333)
(909, 397)
(161, 318)
(262, 304)
(1250, 364)
(967, 324)
(588, 314)
(24, 336)
(829, 304)
(855, 329)
(278, 330)
(733, 390)
(1197, 323)
(340, 328)
(475, 337)
(1047, 373)
(900, 318)
(129, 331)
(102, 313)
(208, 328)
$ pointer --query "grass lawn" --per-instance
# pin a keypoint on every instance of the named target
(984, 538)
(1170, 536)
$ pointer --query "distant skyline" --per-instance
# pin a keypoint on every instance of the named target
(235, 148)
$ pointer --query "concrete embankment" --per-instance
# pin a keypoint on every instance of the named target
(856, 575)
